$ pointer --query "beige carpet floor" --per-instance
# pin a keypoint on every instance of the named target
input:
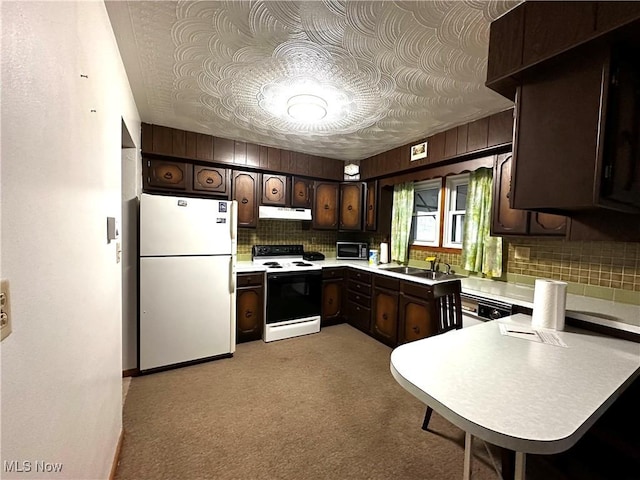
(323, 406)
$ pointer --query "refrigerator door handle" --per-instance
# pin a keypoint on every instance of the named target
(234, 219)
(232, 274)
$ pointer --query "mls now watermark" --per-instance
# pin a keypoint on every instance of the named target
(26, 466)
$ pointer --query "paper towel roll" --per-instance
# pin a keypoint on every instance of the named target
(549, 304)
(384, 253)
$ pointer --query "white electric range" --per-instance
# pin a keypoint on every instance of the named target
(293, 291)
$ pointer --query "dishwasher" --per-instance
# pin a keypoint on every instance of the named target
(476, 310)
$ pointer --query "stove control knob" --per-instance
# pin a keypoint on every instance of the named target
(494, 314)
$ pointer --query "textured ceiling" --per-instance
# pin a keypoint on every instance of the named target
(393, 72)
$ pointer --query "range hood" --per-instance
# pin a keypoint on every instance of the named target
(284, 213)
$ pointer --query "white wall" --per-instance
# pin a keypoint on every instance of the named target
(61, 175)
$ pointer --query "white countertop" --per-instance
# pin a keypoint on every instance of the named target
(518, 394)
(621, 316)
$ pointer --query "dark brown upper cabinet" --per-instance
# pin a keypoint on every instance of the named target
(547, 31)
(165, 175)
(576, 145)
(325, 205)
(370, 205)
(508, 221)
(301, 192)
(245, 192)
(274, 190)
(212, 180)
(378, 208)
(351, 206)
(529, 35)
(505, 220)
(505, 45)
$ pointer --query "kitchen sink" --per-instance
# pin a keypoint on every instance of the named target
(428, 274)
(422, 273)
(405, 270)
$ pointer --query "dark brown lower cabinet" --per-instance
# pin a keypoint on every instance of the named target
(418, 315)
(358, 301)
(249, 307)
(332, 299)
(359, 316)
(384, 320)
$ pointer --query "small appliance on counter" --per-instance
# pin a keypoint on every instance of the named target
(312, 256)
(352, 251)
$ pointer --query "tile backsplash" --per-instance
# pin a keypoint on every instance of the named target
(609, 270)
(283, 232)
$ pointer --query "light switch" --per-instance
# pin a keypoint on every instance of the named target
(113, 227)
(5, 310)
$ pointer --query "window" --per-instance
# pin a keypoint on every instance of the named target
(455, 205)
(438, 212)
(425, 226)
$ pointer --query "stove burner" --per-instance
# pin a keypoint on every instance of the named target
(270, 264)
(302, 264)
(275, 265)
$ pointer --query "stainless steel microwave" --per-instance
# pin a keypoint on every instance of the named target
(352, 250)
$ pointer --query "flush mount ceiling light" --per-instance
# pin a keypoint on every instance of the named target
(307, 108)
(297, 101)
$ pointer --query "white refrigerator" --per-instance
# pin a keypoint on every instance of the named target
(187, 279)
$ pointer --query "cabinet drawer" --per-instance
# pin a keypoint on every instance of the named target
(332, 273)
(360, 276)
(386, 282)
(247, 279)
(359, 287)
(359, 316)
(416, 290)
(359, 298)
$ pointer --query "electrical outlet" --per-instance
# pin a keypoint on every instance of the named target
(522, 253)
(5, 310)
(313, 240)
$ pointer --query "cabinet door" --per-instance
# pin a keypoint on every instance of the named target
(211, 179)
(249, 317)
(245, 191)
(351, 206)
(547, 224)
(505, 220)
(385, 316)
(332, 291)
(418, 319)
(560, 133)
(274, 190)
(359, 316)
(301, 192)
(165, 175)
(325, 210)
(370, 217)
